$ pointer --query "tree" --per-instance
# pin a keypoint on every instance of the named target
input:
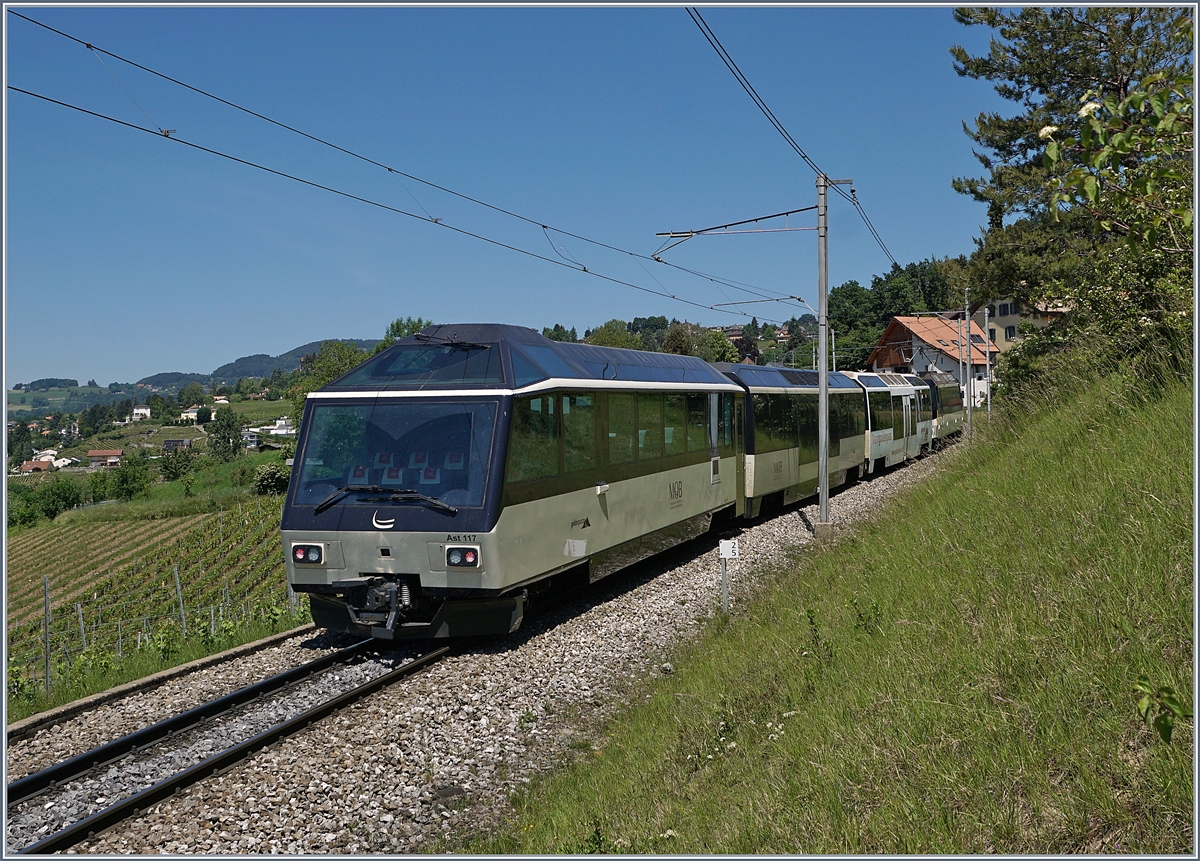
(1133, 161)
(1045, 60)
(332, 359)
(92, 384)
(174, 465)
(679, 339)
(399, 328)
(98, 485)
(131, 477)
(58, 495)
(561, 333)
(192, 395)
(225, 435)
(614, 334)
(719, 347)
(203, 416)
(747, 349)
(20, 444)
(750, 331)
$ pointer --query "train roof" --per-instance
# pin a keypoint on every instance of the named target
(756, 376)
(494, 355)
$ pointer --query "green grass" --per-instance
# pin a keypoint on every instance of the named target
(103, 671)
(956, 677)
(262, 412)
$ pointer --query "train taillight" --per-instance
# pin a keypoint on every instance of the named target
(307, 554)
(462, 557)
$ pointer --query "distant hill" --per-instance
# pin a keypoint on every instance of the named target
(174, 379)
(258, 365)
(262, 365)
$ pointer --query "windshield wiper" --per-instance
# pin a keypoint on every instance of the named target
(413, 496)
(346, 489)
(388, 495)
(452, 342)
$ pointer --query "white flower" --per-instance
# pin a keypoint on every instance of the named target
(1046, 131)
(1089, 109)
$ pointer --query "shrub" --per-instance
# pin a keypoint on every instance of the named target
(270, 478)
(242, 474)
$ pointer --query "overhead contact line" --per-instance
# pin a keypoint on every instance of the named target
(730, 64)
(396, 171)
(439, 223)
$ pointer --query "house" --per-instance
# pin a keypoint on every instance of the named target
(170, 445)
(107, 457)
(282, 427)
(45, 454)
(916, 345)
(32, 466)
(141, 413)
(1005, 317)
(250, 437)
(189, 414)
(220, 401)
(61, 462)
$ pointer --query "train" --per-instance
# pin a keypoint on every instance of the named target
(466, 472)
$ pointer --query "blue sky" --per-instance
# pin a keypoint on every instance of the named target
(128, 254)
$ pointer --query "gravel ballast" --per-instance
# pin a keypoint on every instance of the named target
(438, 753)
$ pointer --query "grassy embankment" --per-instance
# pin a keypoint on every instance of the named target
(956, 677)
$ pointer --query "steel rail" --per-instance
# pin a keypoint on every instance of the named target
(32, 784)
(135, 804)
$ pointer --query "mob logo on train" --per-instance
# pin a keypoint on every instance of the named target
(675, 489)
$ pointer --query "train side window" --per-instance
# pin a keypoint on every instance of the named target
(622, 426)
(725, 434)
(762, 423)
(579, 431)
(783, 412)
(533, 442)
(697, 423)
(675, 423)
(881, 410)
(806, 427)
(650, 425)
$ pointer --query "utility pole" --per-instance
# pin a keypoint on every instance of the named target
(823, 529)
(987, 341)
(969, 350)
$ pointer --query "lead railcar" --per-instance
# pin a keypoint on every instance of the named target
(441, 484)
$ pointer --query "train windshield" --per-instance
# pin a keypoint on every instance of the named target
(439, 450)
(432, 365)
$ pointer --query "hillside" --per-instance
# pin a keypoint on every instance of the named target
(957, 677)
(258, 365)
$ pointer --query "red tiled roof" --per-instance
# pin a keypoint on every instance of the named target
(104, 452)
(933, 331)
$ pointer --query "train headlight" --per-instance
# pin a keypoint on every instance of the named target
(462, 557)
(307, 554)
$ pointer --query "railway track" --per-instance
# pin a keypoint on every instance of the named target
(83, 786)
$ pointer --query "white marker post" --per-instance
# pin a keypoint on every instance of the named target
(729, 550)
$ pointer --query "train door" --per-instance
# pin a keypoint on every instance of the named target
(739, 447)
(910, 421)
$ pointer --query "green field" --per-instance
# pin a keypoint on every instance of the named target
(957, 677)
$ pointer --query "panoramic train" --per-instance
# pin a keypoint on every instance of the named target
(468, 469)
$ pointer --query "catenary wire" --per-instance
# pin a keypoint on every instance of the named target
(375, 203)
(713, 41)
(97, 50)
